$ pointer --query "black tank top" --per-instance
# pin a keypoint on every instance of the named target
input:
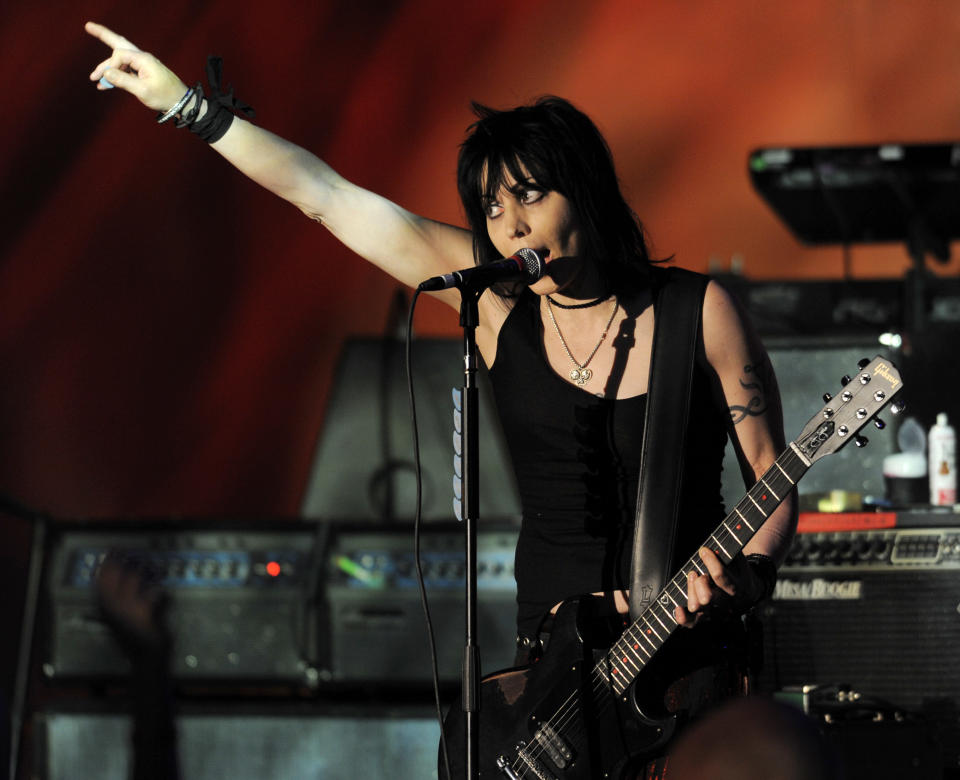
(577, 461)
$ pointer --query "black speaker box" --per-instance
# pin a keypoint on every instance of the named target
(878, 610)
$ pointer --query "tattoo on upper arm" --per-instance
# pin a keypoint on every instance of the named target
(757, 404)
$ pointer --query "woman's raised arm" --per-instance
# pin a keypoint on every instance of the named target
(408, 247)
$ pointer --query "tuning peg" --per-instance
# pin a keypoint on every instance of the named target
(863, 362)
(845, 380)
(861, 441)
(898, 407)
(827, 397)
(880, 424)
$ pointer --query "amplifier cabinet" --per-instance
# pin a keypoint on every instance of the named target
(376, 628)
(237, 601)
(877, 610)
(247, 742)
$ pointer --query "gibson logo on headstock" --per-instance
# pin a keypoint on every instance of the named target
(884, 370)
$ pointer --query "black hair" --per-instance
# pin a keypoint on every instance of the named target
(557, 146)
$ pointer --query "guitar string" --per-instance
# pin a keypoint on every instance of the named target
(569, 710)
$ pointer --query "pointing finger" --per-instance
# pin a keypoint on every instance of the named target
(109, 37)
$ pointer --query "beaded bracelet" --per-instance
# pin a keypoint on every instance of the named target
(187, 118)
(175, 109)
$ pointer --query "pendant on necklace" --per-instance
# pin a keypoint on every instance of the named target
(581, 375)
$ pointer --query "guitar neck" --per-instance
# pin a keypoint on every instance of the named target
(647, 634)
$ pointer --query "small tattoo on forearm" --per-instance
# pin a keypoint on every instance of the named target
(757, 405)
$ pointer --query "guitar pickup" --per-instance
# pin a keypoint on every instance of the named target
(556, 748)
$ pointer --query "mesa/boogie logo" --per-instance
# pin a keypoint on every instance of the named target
(818, 590)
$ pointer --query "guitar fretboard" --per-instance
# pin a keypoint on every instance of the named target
(647, 634)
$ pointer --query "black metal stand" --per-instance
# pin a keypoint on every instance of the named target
(469, 319)
(18, 707)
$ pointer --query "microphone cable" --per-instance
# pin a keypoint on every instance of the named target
(416, 532)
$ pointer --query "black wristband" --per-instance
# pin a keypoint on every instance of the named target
(766, 571)
(220, 106)
(214, 124)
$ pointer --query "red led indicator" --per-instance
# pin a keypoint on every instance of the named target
(273, 569)
(763, 497)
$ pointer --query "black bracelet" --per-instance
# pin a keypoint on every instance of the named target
(187, 118)
(220, 106)
(766, 570)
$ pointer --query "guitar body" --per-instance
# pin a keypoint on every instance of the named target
(552, 720)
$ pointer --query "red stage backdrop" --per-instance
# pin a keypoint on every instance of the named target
(168, 329)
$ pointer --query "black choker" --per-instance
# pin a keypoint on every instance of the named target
(586, 305)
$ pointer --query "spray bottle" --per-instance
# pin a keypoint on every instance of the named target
(942, 449)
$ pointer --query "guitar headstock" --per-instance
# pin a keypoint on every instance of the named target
(843, 416)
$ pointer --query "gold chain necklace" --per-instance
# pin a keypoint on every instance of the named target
(581, 373)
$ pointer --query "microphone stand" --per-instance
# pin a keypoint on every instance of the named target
(469, 319)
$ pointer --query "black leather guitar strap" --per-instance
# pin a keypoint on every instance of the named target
(677, 307)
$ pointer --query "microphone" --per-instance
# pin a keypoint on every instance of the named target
(525, 266)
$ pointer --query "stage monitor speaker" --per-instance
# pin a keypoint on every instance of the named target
(876, 610)
(363, 464)
(806, 368)
(398, 742)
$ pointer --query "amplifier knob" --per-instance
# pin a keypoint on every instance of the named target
(797, 550)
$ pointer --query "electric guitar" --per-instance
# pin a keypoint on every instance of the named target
(576, 713)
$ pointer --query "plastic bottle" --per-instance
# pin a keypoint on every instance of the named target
(942, 449)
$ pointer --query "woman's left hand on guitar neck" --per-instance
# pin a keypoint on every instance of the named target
(734, 588)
